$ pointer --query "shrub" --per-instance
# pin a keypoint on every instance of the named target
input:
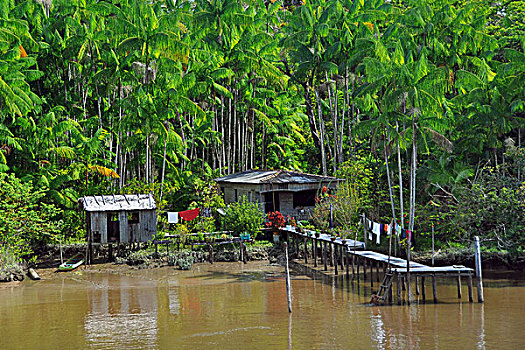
(25, 221)
(243, 216)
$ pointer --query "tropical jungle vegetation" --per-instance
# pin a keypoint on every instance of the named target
(425, 97)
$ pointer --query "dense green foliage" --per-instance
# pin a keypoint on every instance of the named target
(243, 217)
(24, 218)
(118, 96)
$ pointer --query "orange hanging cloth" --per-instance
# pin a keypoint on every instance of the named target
(23, 52)
(189, 215)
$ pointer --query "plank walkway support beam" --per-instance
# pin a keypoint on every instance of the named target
(398, 289)
(325, 256)
(423, 292)
(459, 285)
(315, 252)
(434, 288)
(305, 251)
(288, 285)
(347, 265)
(479, 278)
(470, 296)
(334, 249)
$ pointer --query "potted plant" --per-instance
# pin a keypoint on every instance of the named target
(275, 221)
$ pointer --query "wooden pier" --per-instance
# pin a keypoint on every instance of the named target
(335, 257)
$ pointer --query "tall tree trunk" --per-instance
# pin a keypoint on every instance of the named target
(390, 192)
(400, 181)
(321, 133)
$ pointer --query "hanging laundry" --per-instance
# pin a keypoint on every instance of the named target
(189, 215)
(403, 234)
(398, 230)
(378, 234)
(377, 231)
(173, 217)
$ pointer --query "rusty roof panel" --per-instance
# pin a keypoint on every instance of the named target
(275, 176)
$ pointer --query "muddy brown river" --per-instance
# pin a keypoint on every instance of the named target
(236, 306)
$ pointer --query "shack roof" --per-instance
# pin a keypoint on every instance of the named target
(118, 202)
(275, 176)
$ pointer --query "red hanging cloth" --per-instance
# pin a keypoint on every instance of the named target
(189, 215)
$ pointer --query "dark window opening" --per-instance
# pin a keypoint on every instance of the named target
(304, 198)
(269, 205)
(133, 218)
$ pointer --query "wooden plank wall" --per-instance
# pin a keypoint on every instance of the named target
(123, 227)
(99, 222)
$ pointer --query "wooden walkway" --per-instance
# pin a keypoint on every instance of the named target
(350, 257)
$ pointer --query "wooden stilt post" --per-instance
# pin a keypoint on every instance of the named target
(377, 271)
(325, 256)
(334, 249)
(331, 254)
(288, 285)
(423, 293)
(371, 274)
(459, 286)
(364, 269)
(479, 278)
(358, 263)
(347, 258)
(417, 285)
(210, 250)
(470, 296)
(240, 252)
(342, 257)
(110, 252)
(398, 278)
(315, 252)
(305, 251)
(244, 254)
(434, 289)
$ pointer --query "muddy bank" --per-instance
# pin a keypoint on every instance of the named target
(49, 256)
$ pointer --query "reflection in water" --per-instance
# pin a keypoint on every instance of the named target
(236, 306)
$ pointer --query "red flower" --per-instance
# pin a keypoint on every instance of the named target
(325, 189)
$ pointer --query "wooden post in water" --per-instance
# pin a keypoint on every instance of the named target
(347, 265)
(288, 286)
(417, 285)
(364, 269)
(334, 249)
(398, 278)
(325, 256)
(371, 274)
(305, 251)
(330, 254)
(478, 269)
(459, 285)
(315, 251)
(470, 297)
(434, 288)
(358, 263)
(408, 267)
(341, 255)
(423, 292)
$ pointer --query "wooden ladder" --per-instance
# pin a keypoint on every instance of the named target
(386, 285)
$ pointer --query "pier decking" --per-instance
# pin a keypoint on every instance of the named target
(336, 255)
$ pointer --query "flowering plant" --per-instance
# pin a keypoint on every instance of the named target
(290, 220)
(275, 220)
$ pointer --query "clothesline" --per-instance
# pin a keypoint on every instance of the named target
(378, 229)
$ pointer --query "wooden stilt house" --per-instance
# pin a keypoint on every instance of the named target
(123, 218)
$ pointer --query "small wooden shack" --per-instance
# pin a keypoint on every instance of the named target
(291, 193)
(123, 218)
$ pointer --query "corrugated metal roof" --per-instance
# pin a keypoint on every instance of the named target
(275, 176)
(118, 202)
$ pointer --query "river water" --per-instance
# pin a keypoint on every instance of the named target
(236, 306)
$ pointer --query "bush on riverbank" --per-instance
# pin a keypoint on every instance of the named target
(25, 221)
